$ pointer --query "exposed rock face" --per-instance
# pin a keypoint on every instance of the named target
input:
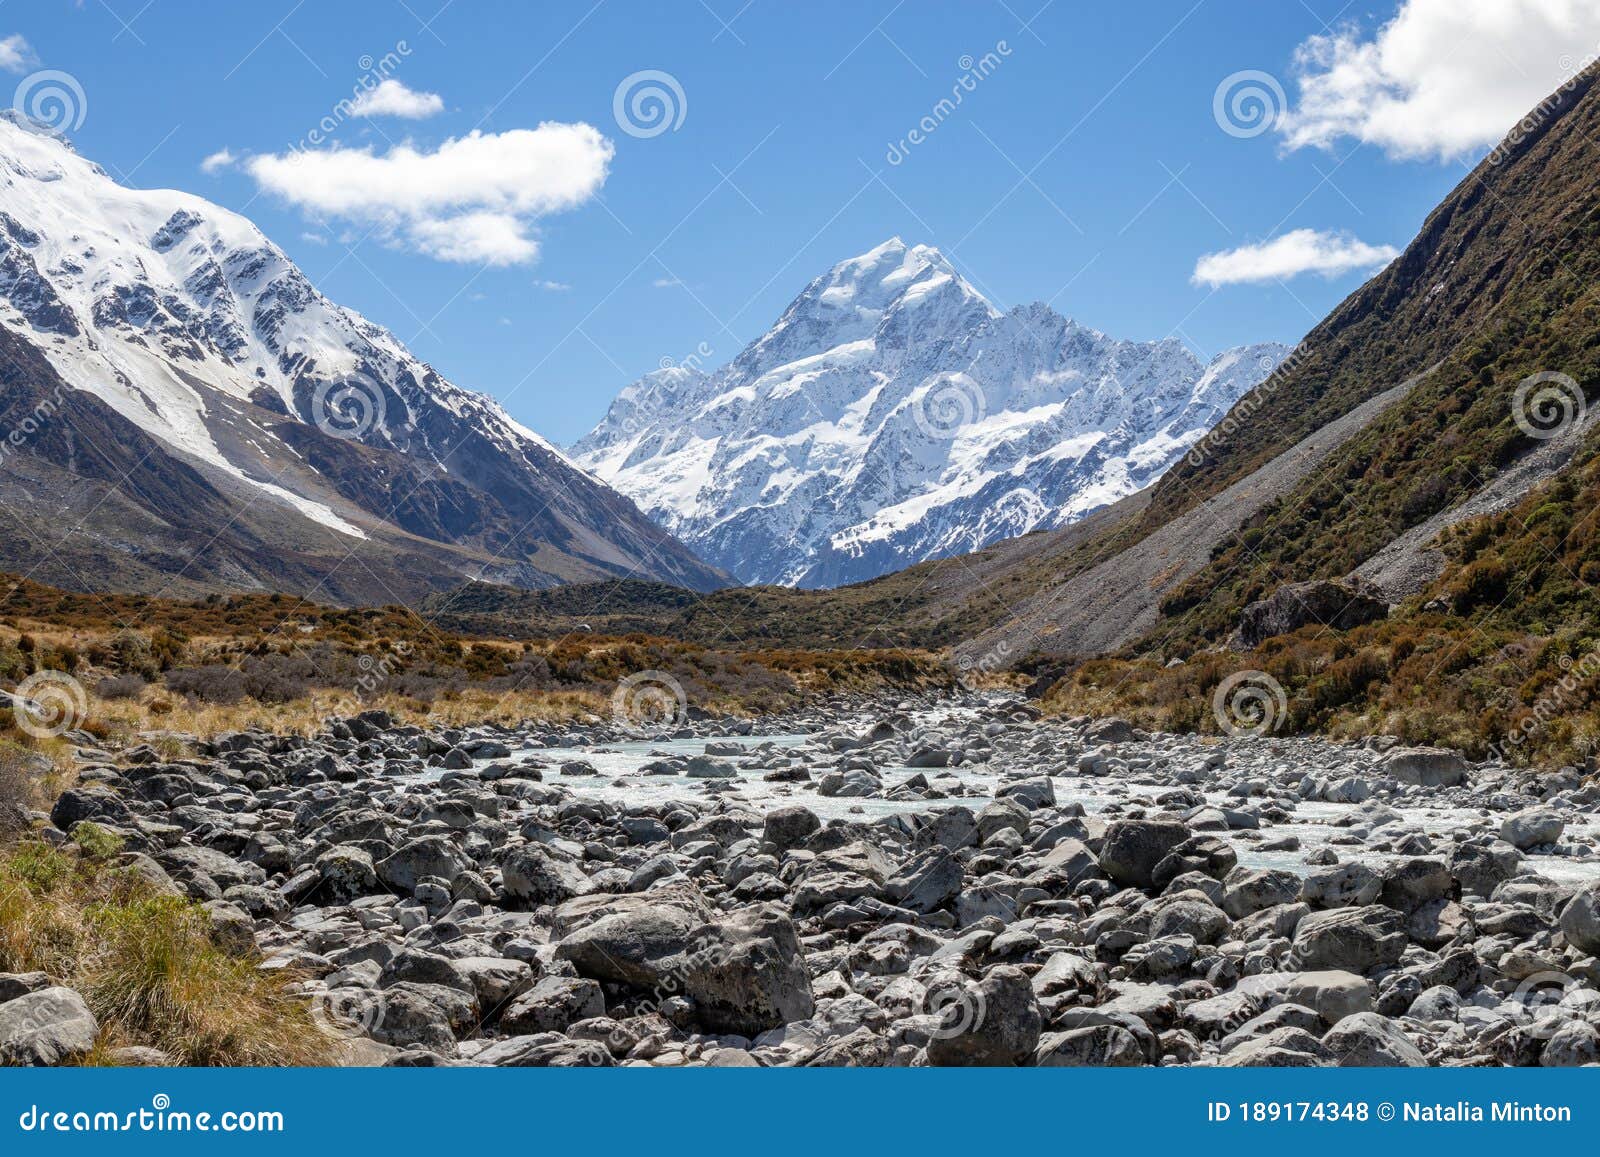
(1337, 606)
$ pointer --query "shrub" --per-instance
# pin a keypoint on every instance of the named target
(121, 687)
(146, 963)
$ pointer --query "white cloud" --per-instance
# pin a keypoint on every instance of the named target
(1443, 78)
(313, 238)
(16, 54)
(219, 160)
(552, 286)
(393, 99)
(473, 199)
(1294, 253)
(667, 282)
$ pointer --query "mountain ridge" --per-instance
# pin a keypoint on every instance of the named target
(892, 414)
(200, 340)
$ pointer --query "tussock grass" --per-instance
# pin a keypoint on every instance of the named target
(145, 963)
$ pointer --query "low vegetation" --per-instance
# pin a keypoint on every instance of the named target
(146, 963)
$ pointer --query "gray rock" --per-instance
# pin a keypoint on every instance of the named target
(1366, 1040)
(1333, 995)
(1350, 939)
(1100, 1046)
(50, 1026)
(552, 1004)
(927, 882)
(1133, 848)
(1424, 766)
(1341, 886)
(1531, 828)
(533, 876)
(415, 861)
(1580, 920)
(992, 1021)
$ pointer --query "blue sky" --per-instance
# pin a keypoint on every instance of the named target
(1089, 167)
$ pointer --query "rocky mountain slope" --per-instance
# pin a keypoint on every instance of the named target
(207, 419)
(892, 415)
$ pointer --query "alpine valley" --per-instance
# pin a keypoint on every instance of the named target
(893, 415)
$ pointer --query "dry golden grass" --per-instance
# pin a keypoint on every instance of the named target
(145, 963)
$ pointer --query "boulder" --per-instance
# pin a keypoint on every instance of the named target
(1321, 602)
(1133, 848)
(1580, 920)
(1333, 995)
(50, 1026)
(552, 1004)
(415, 861)
(1098, 1046)
(1424, 766)
(992, 1021)
(1341, 886)
(1532, 827)
(1367, 1040)
(533, 876)
(926, 882)
(789, 827)
(1350, 939)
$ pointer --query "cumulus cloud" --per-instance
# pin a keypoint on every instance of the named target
(1294, 253)
(392, 98)
(219, 160)
(16, 54)
(473, 199)
(1442, 79)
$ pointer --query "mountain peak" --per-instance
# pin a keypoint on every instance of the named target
(893, 415)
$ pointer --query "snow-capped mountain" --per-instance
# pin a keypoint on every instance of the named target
(175, 323)
(894, 415)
